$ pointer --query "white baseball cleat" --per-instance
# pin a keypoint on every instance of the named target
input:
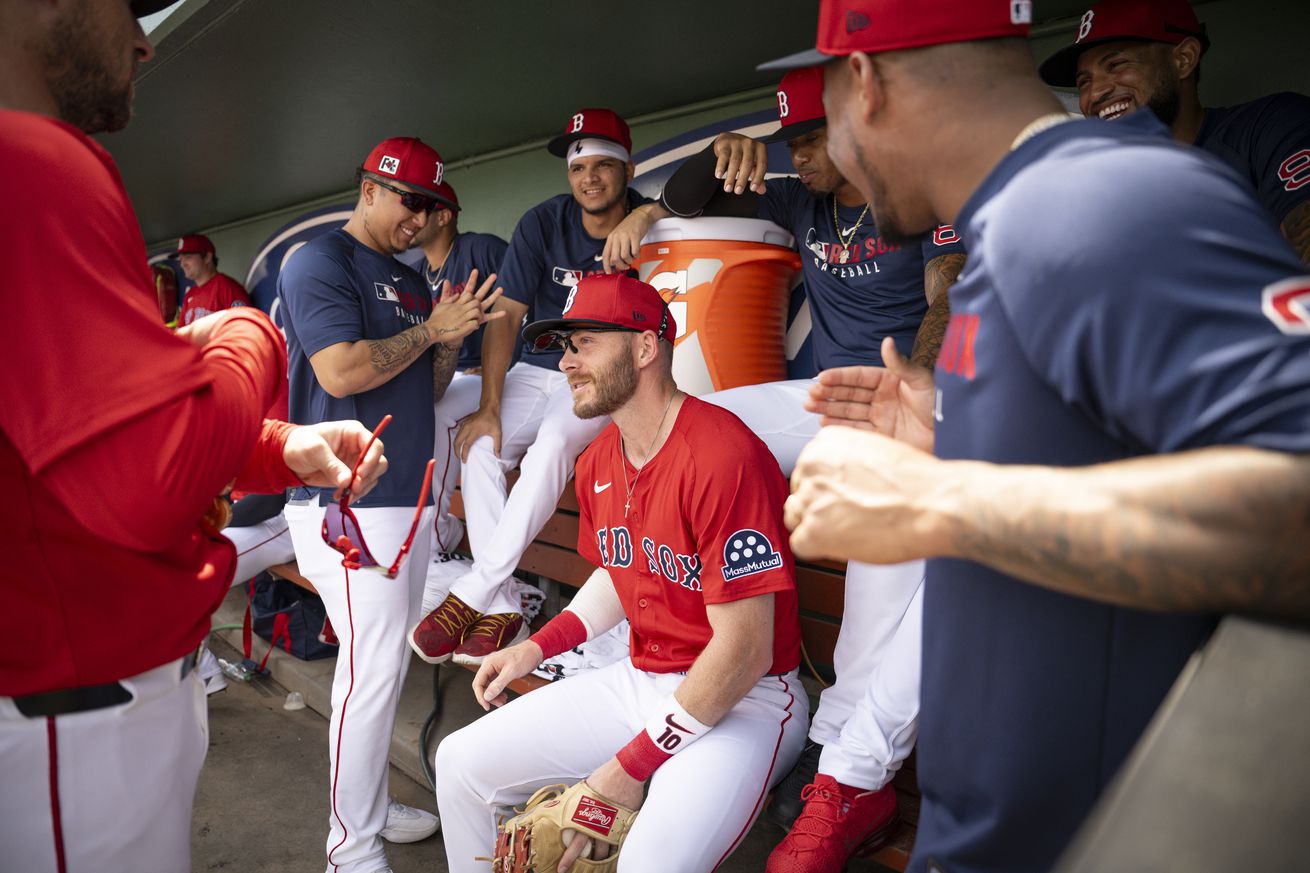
(405, 824)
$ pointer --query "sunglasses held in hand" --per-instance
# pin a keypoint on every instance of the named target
(342, 531)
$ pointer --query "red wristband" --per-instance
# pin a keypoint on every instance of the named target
(640, 758)
(560, 634)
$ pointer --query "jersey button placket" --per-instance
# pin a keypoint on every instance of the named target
(655, 647)
(643, 603)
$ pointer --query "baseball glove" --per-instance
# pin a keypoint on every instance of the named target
(534, 840)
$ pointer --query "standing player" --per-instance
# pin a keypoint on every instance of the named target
(442, 253)
(679, 510)
(1086, 516)
(861, 288)
(365, 338)
(115, 435)
(213, 291)
(524, 415)
(1131, 54)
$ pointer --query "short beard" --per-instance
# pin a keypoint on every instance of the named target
(612, 387)
(78, 79)
(1166, 100)
(889, 225)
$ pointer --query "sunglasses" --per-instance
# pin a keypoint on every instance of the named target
(412, 200)
(563, 339)
(342, 531)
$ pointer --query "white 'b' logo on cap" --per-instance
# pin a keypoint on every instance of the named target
(577, 123)
(441, 171)
(1085, 26)
(389, 165)
(783, 109)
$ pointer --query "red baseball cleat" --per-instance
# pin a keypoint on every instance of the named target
(489, 634)
(437, 635)
(838, 821)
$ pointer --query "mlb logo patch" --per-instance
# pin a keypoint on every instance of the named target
(567, 278)
(386, 292)
(748, 552)
(389, 165)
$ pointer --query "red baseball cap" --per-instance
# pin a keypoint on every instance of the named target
(870, 26)
(607, 300)
(589, 123)
(194, 244)
(410, 160)
(1168, 21)
(800, 104)
(446, 195)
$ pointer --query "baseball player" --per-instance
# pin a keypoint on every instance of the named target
(524, 416)
(861, 288)
(116, 435)
(364, 337)
(679, 511)
(1120, 414)
(1130, 54)
(441, 252)
(213, 291)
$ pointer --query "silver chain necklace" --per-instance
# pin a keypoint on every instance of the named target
(434, 282)
(627, 504)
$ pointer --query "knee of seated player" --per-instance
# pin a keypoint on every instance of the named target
(460, 757)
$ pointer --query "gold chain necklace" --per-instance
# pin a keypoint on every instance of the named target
(1045, 122)
(627, 504)
(845, 241)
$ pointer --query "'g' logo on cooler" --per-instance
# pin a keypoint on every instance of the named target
(389, 165)
(783, 109)
(1085, 26)
(577, 123)
(441, 171)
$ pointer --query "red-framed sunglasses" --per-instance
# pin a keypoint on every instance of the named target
(342, 531)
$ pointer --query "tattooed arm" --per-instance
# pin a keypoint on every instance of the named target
(1216, 529)
(444, 359)
(1296, 229)
(938, 275)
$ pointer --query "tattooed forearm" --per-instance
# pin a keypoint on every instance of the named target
(399, 351)
(444, 359)
(1212, 530)
(938, 275)
(1296, 228)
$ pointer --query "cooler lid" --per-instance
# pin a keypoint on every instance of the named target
(754, 230)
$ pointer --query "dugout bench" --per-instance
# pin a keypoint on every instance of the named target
(553, 563)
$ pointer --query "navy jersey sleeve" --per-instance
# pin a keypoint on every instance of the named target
(520, 270)
(944, 240)
(1281, 153)
(321, 301)
(1146, 306)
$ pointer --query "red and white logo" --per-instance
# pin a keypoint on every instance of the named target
(389, 165)
(1287, 305)
(944, 235)
(783, 109)
(1295, 171)
(595, 815)
(1021, 12)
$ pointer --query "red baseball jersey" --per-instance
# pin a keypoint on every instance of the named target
(705, 526)
(219, 293)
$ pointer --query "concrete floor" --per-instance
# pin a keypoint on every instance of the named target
(261, 805)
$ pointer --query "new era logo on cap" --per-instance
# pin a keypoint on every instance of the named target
(856, 21)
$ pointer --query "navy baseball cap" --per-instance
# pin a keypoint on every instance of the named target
(1167, 21)
(609, 300)
(870, 26)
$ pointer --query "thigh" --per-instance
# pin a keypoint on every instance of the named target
(462, 397)
(775, 412)
(522, 406)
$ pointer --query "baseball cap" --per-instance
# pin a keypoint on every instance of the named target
(194, 244)
(1169, 21)
(608, 300)
(869, 26)
(591, 124)
(142, 8)
(800, 104)
(410, 160)
(446, 195)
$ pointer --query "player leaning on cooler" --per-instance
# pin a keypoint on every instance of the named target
(1135, 54)
(861, 288)
(115, 436)
(441, 253)
(524, 417)
(679, 509)
(213, 291)
(1121, 440)
(366, 339)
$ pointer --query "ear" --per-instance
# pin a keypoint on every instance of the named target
(869, 91)
(366, 191)
(632, 170)
(1185, 57)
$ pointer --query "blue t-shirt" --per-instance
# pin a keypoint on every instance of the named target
(549, 253)
(860, 294)
(468, 251)
(336, 290)
(1268, 142)
(1111, 307)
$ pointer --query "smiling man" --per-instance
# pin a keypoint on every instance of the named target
(1135, 54)
(213, 291)
(524, 417)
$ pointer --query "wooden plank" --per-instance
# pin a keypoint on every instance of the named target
(820, 637)
(291, 572)
(561, 529)
(895, 853)
(562, 565)
(819, 590)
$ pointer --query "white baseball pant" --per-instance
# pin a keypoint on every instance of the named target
(866, 734)
(371, 616)
(109, 789)
(701, 802)
(541, 435)
(460, 400)
(260, 546)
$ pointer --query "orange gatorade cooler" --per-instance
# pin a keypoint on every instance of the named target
(727, 282)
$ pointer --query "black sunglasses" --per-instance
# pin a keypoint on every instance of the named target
(563, 339)
(411, 200)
